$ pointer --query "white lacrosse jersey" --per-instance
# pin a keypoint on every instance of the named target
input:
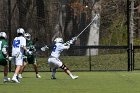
(57, 49)
(16, 46)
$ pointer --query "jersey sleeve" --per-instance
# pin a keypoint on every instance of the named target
(65, 46)
(23, 42)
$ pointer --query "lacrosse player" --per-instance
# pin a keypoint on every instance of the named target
(30, 59)
(4, 57)
(18, 48)
(54, 61)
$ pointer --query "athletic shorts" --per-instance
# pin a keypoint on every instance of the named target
(54, 62)
(3, 62)
(18, 60)
(31, 59)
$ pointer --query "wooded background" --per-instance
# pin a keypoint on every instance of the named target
(47, 19)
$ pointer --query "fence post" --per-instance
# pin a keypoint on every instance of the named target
(89, 59)
(9, 29)
(131, 25)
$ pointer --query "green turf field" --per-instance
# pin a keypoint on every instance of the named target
(88, 82)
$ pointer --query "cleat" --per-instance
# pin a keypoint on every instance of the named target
(6, 80)
(38, 76)
(74, 77)
(15, 80)
(20, 76)
(53, 77)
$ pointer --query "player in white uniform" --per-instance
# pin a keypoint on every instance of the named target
(54, 61)
(18, 48)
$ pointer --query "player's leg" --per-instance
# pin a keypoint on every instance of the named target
(19, 64)
(53, 67)
(15, 76)
(67, 71)
(53, 72)
(36, 70)
(5, 71)
(59, 64)
(32, 60)
(22, 69)
(6, 79)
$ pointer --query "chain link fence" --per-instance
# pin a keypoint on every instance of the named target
(108, 59)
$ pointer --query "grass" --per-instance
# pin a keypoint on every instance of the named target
(88, 82)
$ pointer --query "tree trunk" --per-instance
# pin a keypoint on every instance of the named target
(93, 38)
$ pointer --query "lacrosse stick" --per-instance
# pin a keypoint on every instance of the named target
(95, 17)
(75, 38)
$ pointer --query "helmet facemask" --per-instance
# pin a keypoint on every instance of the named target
(27, 36)
(3, 35)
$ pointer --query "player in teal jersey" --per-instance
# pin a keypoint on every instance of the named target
(4, 57)
(30, 59)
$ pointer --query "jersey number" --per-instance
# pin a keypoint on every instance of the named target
(16, 43)
(54, 48)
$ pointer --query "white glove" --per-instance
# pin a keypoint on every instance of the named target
(10, 58)
(44, 48)
(29, 52)
(73, 40)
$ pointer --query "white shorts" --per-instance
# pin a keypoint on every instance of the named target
(18, 60)
(54, 62)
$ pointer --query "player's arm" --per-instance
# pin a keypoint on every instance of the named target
(26, 49)
(66, 46)
(23, 45)
(68, 43)
(5, 51)
(71, 41)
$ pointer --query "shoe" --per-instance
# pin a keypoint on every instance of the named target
(38, 76)
(74, 77)
(15, 80)
(6, 79)
(20, 76)
(53, 77)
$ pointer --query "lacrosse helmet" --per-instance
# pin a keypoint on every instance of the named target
(58, 40)
(3, 34)
(27, 36)
(20, 31)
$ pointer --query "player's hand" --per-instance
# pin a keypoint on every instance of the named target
(74, 39)
(29, 52)
(44, 48)
(67, 43)
(10, 58)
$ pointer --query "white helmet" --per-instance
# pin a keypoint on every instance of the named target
(58, 40)
(20, 30)
(27, 36)
(3, 34)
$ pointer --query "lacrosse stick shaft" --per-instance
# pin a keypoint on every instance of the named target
(87, 26)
